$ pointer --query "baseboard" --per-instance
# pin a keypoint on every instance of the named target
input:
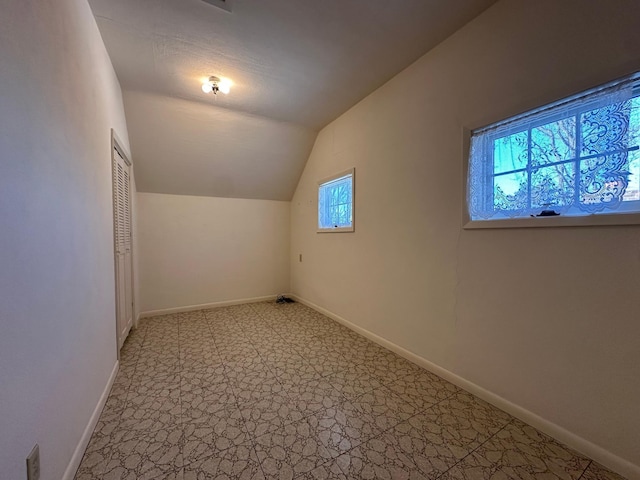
(72, 468)
(591, 450)
(191, 308)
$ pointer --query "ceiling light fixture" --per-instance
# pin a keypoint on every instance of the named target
(215, 85)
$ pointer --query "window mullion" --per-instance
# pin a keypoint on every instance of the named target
(529, 186)
(576, 186)
(491, 195)
(513, 171)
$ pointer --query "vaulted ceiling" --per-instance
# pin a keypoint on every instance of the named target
(295, 65)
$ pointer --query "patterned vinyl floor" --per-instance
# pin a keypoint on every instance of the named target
(267, 391)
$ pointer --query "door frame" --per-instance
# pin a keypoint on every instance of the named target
(116, 144)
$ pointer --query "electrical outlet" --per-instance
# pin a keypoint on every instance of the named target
(300, 257)
(33, 464)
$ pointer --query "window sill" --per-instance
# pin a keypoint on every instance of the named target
(335, 230)
(547, 222)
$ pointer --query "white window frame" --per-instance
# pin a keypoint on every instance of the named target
(601, 219)
(352, 172)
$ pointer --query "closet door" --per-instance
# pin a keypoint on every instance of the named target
(123, 246)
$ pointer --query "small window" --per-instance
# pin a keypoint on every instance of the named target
(335, 203)
(574, 158)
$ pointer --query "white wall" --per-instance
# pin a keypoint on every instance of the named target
(545, 318)
(201, 250)
(59, 98)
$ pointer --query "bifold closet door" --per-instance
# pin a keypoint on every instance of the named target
(123, 245)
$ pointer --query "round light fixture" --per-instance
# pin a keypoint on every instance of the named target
(215, 84)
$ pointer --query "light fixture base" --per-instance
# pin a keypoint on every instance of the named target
(223, 4)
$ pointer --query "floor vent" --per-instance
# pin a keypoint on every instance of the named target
(223, 4)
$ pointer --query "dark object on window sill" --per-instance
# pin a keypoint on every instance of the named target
(283, 299)
(547, 213)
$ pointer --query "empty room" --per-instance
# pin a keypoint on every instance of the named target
(278, 239)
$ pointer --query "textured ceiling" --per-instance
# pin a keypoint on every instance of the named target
(297, 63)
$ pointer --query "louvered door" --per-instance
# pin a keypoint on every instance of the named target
(123, 247)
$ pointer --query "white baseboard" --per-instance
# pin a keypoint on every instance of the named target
(591, 450)
(72, 468)
(191, 308)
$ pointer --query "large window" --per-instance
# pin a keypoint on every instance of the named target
(576, 157)
(335, 203)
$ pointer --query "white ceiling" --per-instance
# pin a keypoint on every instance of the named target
(296, 65)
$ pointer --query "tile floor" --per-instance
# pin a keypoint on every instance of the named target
(267, 391)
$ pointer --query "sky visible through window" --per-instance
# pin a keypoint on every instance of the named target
(548, 153)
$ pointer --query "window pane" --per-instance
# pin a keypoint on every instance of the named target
(510, 191)
(632, 193)
(323, 206)
(603, 180)
(553, 142)
(633, 181)
(553, 186)
(343, 217)
(342, 195)
(510, 153)
(605, 129)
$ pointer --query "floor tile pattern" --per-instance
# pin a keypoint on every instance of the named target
(265, 391)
